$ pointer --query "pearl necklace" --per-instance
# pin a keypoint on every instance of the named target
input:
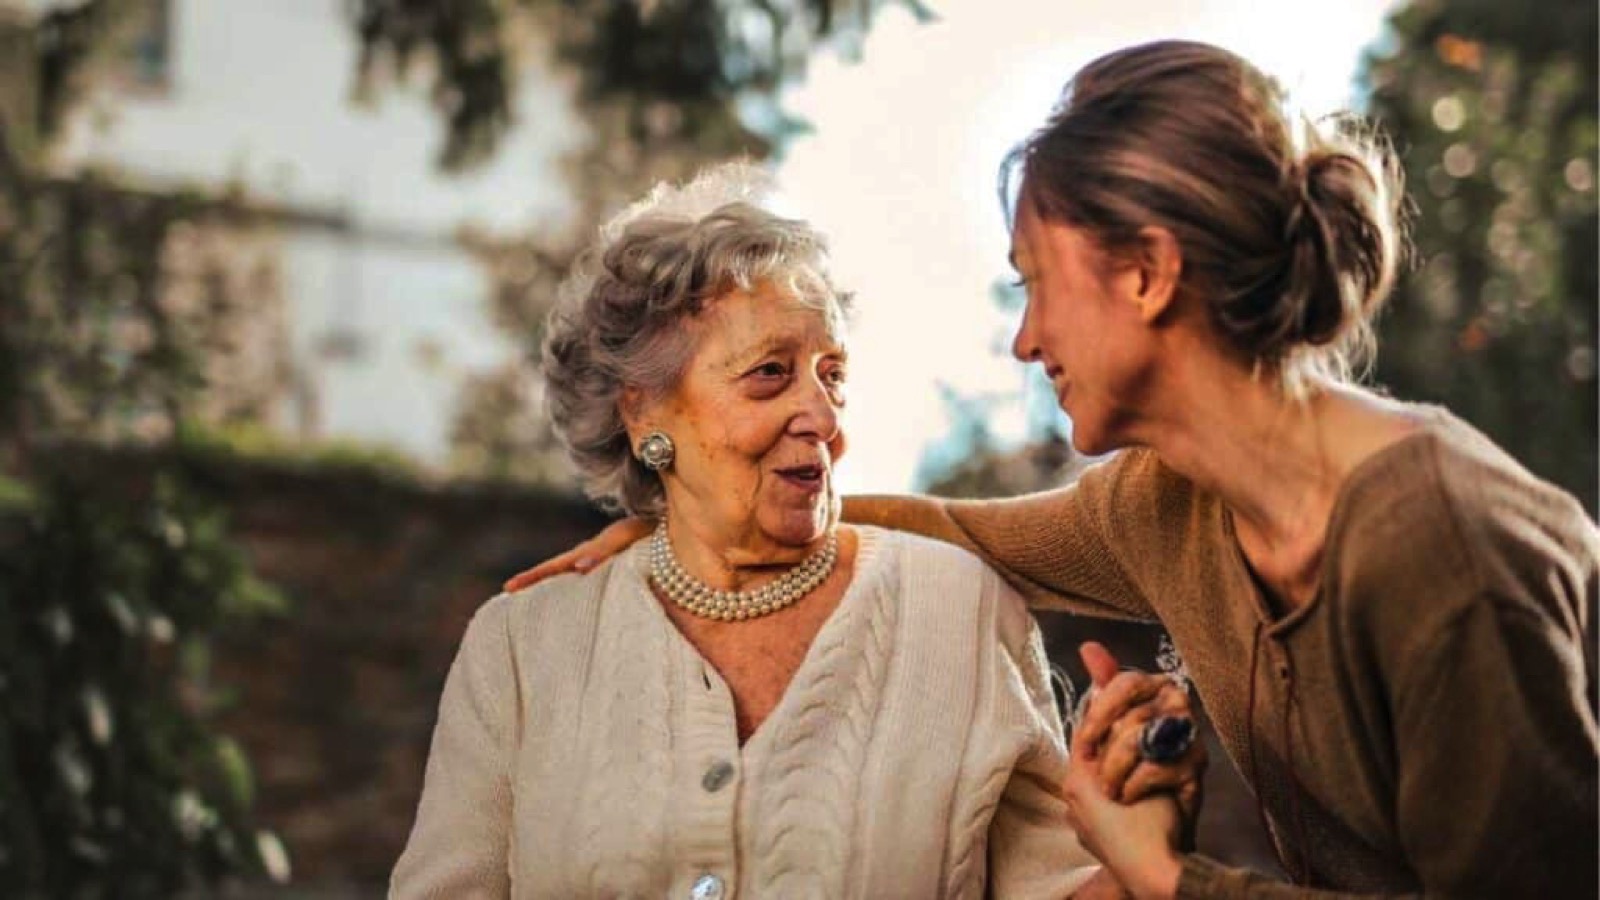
(699, 598)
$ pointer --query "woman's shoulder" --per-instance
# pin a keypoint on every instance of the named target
(906, 552)
(950, 578)
(1450, 476)
(568, 597)
(1446, 505)
(562, 588)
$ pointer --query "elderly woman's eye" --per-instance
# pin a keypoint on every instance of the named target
(835, 375)
(770, 370)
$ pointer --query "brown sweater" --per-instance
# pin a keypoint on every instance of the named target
(1425, 725)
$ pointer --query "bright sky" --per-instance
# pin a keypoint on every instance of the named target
(901, 171)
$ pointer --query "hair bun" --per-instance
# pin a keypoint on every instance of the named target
(1342, 244)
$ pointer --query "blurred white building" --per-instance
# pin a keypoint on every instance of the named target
(385, 312)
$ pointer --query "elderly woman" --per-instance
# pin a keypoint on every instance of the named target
(756, 701)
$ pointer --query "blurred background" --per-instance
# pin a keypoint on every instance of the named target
(272, 282)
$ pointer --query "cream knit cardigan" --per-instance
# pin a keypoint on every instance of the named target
(585, 749)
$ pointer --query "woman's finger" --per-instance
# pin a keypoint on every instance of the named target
(1151, 778)
(1120, 754)
(1172, 700)
(556, 565)
(1099, 661)
(622, 534)
(1071, 813)
(1110, 702)
(613, 539)
(1190, 798)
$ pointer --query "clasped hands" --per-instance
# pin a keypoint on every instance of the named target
(1134, 815)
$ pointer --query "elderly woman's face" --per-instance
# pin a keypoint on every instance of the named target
(756, 421)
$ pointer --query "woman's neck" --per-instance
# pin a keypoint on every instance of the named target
(1278, 463)
(740, 560)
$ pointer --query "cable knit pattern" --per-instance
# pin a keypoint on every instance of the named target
(818, 752)
(967, 862)
(1017, 687)
(627, 747)
(915, 754)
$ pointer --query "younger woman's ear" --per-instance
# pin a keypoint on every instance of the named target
(1160, 264)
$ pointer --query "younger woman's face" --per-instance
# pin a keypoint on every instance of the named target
(1082, 325)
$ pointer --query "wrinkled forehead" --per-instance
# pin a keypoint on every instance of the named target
(741, 323)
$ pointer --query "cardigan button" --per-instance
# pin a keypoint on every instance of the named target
(706, 887)
(717, 777)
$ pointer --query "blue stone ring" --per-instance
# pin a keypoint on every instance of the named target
(1166, 739)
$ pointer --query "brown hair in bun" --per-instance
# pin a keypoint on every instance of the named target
(1290, 231)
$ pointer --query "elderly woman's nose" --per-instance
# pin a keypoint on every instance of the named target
(819, 410)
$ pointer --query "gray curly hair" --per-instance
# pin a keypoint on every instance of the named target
(621, 315)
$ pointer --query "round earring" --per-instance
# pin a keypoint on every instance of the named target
(656, 451)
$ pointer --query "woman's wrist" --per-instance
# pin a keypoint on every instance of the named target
(1160, 880)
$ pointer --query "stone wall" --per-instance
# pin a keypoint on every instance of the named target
(337, 702)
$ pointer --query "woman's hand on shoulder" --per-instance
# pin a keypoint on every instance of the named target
(613, 539)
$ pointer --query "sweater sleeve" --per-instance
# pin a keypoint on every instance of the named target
(1207, 879)
(1497, 753)
(1496, 742)
(458, 844)
(1033, 851)
(1056, 547)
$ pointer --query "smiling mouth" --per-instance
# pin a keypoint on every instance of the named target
(806, 477)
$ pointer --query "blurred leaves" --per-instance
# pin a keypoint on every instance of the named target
(246, 440)
(69, 41)
(124, 315)
(671, 68)
(502, 429)
(970, 461)
(1493, 108)
(111, 784)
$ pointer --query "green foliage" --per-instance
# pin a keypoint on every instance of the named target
(78, 274)
(672, 68)
(111, 782)
(120, 307)
(1493, 108)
